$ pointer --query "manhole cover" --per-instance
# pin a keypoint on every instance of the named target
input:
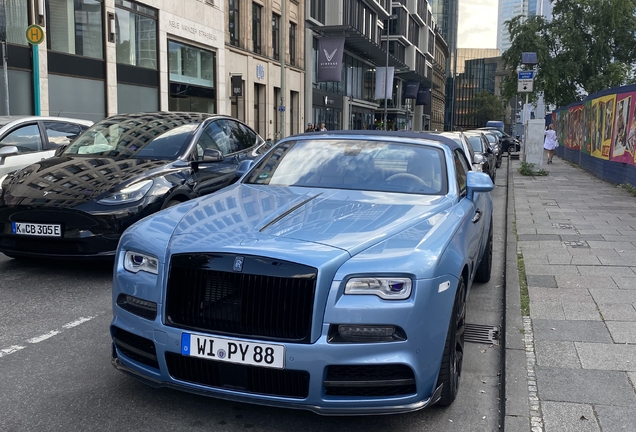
(480, 333)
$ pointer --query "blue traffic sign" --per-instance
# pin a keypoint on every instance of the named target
(526, 75)
(281, 108)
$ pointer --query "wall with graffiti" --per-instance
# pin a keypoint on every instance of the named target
(599, 133)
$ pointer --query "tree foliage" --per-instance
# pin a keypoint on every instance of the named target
(487, 106)
(589, 45)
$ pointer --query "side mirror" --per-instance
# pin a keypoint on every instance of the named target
(478, 159)
(8, 151)
(60, 150)
(244, 167)
(212, 155)
(477, 182)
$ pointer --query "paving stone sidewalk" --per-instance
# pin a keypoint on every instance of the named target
(577, 236)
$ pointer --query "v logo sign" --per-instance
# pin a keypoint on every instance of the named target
(330, 56)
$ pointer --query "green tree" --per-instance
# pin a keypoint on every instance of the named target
(487, 106)
(590, 45)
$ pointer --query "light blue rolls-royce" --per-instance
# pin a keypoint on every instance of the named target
(332, 276)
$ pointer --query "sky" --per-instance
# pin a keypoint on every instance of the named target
(477, 24)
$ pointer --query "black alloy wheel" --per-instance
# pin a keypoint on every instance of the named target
(451, 369)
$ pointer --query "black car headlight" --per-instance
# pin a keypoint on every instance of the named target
(387, 288)
(135, 262)
(132, 193)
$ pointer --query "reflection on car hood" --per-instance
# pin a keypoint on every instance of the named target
(344, 219)
(68, 181)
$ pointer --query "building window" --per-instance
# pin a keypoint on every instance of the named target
(75, 27)
(276, 35)
(256, 27)
(292, 44)
(192, 78)
(136, 34)
(233, 25)
(17, 21)
(317, 10)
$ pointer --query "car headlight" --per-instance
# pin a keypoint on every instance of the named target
(135, 262)
(385, 288)
(131, 193)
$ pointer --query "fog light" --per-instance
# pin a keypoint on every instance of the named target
(143, 308)
(358, 333)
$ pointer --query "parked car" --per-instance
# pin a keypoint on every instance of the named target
(332, 277)
(481, 146)
(27, 139)
(124, 168)
(460, 138)
(508, 143)
(495, 145)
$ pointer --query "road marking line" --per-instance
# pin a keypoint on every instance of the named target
(10, 350)
(77, 322)
(43, 337)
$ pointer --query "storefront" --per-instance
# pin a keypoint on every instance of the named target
(327, 109)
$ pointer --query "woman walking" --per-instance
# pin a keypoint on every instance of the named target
(550, 142)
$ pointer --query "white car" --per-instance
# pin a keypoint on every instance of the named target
(477, 160)
(28, 139)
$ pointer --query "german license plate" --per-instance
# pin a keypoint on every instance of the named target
(36, 229)
(233, 351)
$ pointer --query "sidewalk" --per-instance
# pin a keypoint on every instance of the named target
(570, 364)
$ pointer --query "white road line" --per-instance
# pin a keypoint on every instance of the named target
(37, 339)
(77, 322)
(10, 350)
(43, 337)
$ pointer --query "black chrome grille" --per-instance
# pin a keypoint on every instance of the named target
(269, 299)
(135, 347)
(251, 379)
(370, 380)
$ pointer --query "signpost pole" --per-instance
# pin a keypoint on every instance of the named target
(36, 79)
(5, 60)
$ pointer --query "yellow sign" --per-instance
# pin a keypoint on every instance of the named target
(35, 34)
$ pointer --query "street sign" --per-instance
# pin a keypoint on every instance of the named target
(281, 108)
(35, 34)
(525, 81)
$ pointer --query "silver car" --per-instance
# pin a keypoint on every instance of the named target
(476, 160)
(28, 139)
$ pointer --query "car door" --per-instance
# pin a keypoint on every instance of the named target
(27, 139)
(230, 138)
(473, 221)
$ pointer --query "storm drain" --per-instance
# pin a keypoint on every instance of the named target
(563, 226)
(550, 204)
(576, 244)
(480, 333)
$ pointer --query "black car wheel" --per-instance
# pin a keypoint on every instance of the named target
(450, 371)
(485, 266)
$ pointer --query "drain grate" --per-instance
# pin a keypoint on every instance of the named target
(480, 333)
(576, 244)
(563, 226)
(553, 204)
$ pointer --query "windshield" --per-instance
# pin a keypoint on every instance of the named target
(476, 143)
(128, 139)
(354, 164)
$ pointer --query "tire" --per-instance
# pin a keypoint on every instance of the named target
(171, 203)
(498, 164)
(485, 266)
(450, 371)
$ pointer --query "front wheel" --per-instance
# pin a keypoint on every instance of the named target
(450, 371)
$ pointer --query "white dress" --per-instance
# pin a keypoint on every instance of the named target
(550, 142)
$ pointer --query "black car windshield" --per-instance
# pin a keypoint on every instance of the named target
(354, 164)
(126, 140)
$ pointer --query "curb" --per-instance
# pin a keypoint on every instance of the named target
(516, 408)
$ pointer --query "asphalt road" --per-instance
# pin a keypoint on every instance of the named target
(55, 371)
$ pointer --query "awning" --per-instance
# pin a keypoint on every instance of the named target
(411, 75)
(361, 45)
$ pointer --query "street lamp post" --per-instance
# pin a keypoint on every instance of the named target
(386, 69)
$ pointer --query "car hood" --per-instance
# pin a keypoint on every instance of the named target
(343, 219)
(71, 181)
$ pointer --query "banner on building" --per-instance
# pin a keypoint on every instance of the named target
(383, 83)
(423, 96)
(237, 86)
(3, 21)
(410, 89)
(330, 53)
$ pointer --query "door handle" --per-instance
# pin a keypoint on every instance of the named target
(477, 216)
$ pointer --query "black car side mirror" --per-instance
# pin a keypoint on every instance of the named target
(212, 155)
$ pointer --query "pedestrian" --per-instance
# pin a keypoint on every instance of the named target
(315, 126)
(550, 142)
(323, 127)
(310, 127)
